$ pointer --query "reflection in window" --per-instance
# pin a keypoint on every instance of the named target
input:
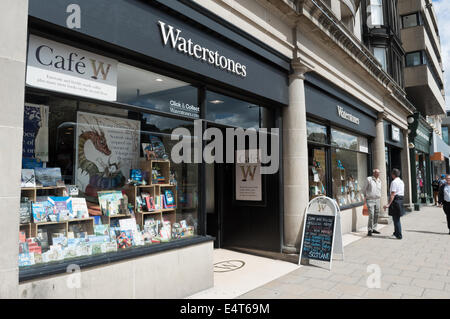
(344, 140)
(316, 132)
(380, 55)
(226, 110)
(445, 134)
(157, 92)
(414, 59)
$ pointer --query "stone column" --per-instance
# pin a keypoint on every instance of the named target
(295, 159)
(13, 44)
(379, 162)
(406, 171)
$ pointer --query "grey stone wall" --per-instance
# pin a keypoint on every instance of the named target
(13, 43)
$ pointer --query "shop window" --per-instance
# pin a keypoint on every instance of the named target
(349, 170)
(99, 179)
(348, 156)
(317, 171)
(226, 110)
(155, 91)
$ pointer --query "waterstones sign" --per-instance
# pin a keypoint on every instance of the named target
(62, 68)
(174, 38)
(347, 116)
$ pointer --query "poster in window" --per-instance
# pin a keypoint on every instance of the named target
(107, 149)
(248, 176)
(35, 132)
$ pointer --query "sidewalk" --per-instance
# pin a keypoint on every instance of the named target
(418, 266)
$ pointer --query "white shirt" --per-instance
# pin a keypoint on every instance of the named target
(398, 187)
(373, 188)
(447, 193)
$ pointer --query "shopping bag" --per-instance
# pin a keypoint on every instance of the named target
(365, 210)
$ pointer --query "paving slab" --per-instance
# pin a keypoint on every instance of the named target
(418, 266)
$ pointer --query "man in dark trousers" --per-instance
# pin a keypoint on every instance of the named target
(444, 198)
(395, 205)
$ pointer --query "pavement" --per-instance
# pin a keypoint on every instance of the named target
(378, 267)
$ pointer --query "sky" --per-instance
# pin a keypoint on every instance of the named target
(442, 9)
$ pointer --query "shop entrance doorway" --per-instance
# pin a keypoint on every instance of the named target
(240, 224)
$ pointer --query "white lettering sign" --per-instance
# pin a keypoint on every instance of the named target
(62, 68)
(347, 116)
(395, 133)
(185, 109)
(173, 37)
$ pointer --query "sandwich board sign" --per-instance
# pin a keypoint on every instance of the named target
(322, 233)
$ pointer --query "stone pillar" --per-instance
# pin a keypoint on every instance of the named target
(13, 44)
(379, 162)
(295, 159)
(406, 171)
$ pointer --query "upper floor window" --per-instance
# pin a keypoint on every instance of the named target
(380, 55)
(375, 13)
(411, 20)
(415, 58)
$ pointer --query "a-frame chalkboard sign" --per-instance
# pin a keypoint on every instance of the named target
(322, 233)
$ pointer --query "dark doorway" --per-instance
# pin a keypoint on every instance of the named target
(238, 224)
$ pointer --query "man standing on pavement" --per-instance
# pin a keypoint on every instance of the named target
(444, 198)
(396, 209)
(372, 195)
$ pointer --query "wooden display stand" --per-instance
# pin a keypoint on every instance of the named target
(154, 190)
(31, 229)
(32, 193)
(64, 225)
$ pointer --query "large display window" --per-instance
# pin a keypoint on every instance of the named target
(338, 164)
(99, 179)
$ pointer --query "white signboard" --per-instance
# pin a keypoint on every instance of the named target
(248, 176)
(107, 148)
(62, 68)
(322, 233)
(395, 133)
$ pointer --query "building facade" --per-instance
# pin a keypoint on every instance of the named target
(424, 84)
(96, 101)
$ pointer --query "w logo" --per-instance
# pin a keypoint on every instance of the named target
(248, 170)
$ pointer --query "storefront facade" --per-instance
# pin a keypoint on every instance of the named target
(101, 103)
(340, 132)
(420, 136)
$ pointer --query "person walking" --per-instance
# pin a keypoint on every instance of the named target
(396, 209)
(436, 184)
(444, 199)
(372, 196)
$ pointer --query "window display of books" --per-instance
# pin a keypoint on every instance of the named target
(105, 239)
(56, 224)
(347, 190)
(316, 180)
(58, 209)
